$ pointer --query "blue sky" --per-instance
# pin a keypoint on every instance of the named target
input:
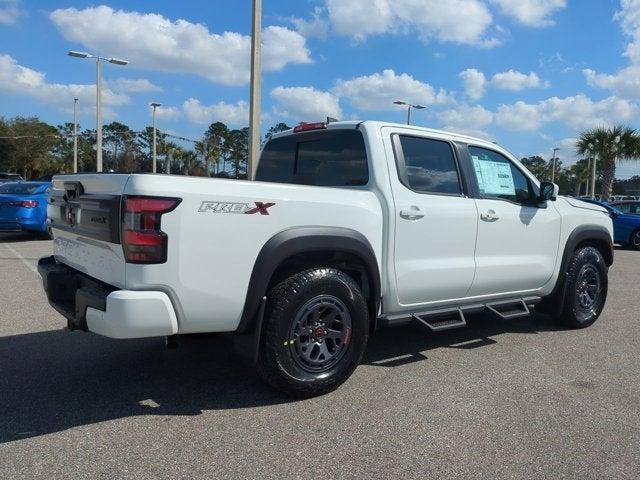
(530, 74)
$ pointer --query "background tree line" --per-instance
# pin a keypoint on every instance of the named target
(34, 149)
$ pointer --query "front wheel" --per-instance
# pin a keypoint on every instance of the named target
(315, 332)
(586, 288)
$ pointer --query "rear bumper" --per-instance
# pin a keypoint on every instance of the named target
(90, 305)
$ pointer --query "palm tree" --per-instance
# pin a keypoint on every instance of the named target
(582, 174)
(609, 145)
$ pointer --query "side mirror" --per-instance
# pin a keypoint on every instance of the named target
(548, 191)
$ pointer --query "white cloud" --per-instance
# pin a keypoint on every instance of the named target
(516, 81)
(10, 11)
(20, 80)
(578, 112)
(316, 27)
(629, 18)
(467, 120)
(457, 21)
(154, 42)
(306, 103)
(377, 92)
(166, 112)
(625, 83)
(467, 116)
(232, 114)
(474, 83)
(133, 85)
(532, 13)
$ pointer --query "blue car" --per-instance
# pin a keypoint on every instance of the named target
(626, 226)
(23, 207)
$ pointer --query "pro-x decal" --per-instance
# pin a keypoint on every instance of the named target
(235, 207)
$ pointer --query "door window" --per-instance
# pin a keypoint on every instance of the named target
(498, 177)
(429, 166)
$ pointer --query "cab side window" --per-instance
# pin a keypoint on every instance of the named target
(499, 178)
(429, 166)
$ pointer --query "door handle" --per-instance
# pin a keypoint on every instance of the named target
(490, 216)
(413, 213)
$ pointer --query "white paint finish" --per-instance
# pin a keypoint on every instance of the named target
(211, 255)
(430, 261)
(517, 249)
(134, 315)
(435, 237)
(98, 259)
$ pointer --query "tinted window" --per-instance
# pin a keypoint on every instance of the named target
(628, 207)
(430, 166)
(498, 177)
(329, 158)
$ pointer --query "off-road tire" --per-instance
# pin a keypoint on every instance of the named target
(279, 361)
(587, 276)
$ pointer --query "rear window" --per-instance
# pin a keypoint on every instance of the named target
(329, 158)
(20, 188)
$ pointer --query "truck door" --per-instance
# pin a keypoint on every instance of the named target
(518, 240)
(435, 221)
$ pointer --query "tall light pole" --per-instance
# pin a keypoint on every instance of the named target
(154, 105)
(592, 189)
(254, 103)
(115, 61)
(409, 107)
(553, 165)
(75, 135)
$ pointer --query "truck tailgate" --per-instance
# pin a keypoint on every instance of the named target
(84, 211)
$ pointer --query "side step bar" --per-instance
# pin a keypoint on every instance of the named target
(445, 320)
(440, 319)
(509, 310)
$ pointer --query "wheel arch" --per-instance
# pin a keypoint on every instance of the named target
(596, 236)
(291, 250)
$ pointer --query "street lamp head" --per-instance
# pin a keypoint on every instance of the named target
(118, 61)
(75, 53)
(419, 107)
(155, 104)
(75, 99)
(398, 102)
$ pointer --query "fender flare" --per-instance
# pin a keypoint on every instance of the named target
(580, 234)
(299, 240)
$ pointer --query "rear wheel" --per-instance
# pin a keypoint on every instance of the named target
(315, 332)
(585, 289)
(634, 239)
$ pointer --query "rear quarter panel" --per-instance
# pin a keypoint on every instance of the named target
(211, 255)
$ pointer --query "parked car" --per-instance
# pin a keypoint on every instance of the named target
(350, 227)
(23, 207)
(626, 226)
(629, 206)
(10, 177)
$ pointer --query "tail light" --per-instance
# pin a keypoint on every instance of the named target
(142, 239)
(25, 204)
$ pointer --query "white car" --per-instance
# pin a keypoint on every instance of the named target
(348, 228)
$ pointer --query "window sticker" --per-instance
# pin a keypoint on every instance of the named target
(494, 178)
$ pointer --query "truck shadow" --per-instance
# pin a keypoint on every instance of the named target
(55, 380)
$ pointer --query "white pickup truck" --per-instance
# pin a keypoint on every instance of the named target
(349, 227)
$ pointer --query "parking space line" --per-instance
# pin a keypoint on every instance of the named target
(29, 265)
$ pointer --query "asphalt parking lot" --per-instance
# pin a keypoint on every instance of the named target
(520, 399)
